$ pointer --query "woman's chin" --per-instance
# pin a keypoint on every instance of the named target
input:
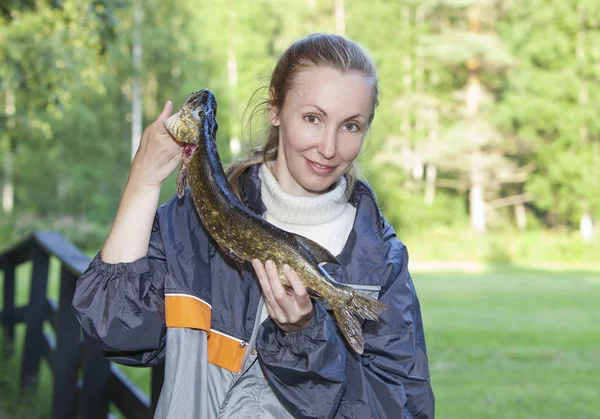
(317, 186)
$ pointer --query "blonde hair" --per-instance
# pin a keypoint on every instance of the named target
(319, 50)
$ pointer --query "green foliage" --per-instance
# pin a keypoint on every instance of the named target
(406, 210)
(552, 89)
(68, 67)
(531, 247)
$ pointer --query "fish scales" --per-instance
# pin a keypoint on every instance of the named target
(245, 236)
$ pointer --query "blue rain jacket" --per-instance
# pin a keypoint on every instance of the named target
(187, 304)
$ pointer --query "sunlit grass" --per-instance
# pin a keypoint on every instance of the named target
(512, 343)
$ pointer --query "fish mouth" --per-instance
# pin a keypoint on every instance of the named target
(201, 101)
(198, 98)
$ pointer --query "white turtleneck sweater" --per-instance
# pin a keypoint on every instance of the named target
(326, 219)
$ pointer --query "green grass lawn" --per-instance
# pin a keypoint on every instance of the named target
(513, 343)
(505, 343)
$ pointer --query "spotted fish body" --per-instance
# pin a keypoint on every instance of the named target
(246, 236)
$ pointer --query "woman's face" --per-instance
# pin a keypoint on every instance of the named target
(322, 126)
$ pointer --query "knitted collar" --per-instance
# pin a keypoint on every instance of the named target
(301, 210)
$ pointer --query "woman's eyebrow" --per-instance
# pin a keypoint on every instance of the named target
(325, 113)
(354, 116)
(318, 107)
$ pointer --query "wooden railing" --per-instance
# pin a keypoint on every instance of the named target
(102, 383)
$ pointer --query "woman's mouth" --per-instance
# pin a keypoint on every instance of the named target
(319, 168)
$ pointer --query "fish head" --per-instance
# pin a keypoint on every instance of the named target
(194, 126)
(196, 117)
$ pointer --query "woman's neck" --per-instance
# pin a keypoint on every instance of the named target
(301, 210)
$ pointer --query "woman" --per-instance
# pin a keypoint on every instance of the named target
(236, 347)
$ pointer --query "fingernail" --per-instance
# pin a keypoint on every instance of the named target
(286, 268)
(269, 264)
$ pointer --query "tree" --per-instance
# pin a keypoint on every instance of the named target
(45, 49)
(549, 105)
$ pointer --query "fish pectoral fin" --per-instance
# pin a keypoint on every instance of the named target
(232, 255)
(181, 128)
(314, 294)
(290, 290)
(182, 178)
(172, 124)
(318, 252)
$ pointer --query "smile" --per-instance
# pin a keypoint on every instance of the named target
(319, 168)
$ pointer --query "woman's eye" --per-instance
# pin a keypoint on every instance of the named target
(351, 127)
(311, 119)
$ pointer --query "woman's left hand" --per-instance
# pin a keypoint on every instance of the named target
(290, 311)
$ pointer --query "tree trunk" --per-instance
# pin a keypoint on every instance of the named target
(418, 168)
(474, 94)
(431, 172)
(586, 227)
(232, 72)
(8, 175)
(521, 216)
(420, 109)
(477, 206)
(8, 166)
(340, 17)
(136, 100)
(405, 122)
(430, 178)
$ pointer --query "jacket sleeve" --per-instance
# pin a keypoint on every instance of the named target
(121, 306)
(306, 368)
(314, 375)
(393, 379)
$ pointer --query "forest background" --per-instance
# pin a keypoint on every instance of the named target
(484, 154)
(485, 146)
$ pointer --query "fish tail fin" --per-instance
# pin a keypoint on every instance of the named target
(351, 327)
(347, 313)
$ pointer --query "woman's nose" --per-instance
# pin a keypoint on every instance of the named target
(328, 145)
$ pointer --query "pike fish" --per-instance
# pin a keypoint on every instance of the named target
(242, 234)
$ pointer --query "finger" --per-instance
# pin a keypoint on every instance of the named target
(166, 112)
(276, 313)
(265, 284)
(279, 292)
(301, 295)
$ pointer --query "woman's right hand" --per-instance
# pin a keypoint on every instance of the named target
(158, 154)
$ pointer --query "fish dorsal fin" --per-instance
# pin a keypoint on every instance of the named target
(319, 252)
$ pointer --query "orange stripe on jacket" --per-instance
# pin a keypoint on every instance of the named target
(225, 352)
(191, 312)
(187, 311)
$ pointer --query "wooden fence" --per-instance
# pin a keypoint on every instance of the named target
(102, 383)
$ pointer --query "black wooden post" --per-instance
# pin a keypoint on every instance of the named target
(96, 372)
(34, 318)
(68, 341)
(158, 376)
(8, 310)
